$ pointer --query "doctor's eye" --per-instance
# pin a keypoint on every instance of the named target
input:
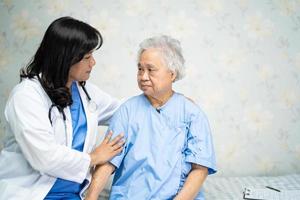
(87, 57)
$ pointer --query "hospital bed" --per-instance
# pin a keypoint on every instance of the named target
(231, 188)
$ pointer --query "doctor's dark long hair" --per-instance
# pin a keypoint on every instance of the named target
(65, 43)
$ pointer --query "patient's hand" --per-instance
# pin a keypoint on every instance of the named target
(107, 149)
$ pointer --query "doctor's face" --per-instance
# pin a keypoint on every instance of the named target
(154, 78)
(81, 71)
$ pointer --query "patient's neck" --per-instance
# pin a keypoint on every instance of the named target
(158, 101)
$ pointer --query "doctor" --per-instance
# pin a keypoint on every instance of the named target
(52, 117)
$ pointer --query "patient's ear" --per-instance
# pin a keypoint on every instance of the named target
(174, 75)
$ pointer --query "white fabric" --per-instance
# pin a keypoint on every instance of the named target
(35, 152)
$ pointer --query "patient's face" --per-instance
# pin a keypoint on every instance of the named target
(153, 77)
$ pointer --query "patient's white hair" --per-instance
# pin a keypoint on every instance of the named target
(171, 52)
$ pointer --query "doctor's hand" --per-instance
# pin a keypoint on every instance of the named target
(107, 149)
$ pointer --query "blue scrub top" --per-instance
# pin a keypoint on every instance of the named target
(160, 146)
(64, 189)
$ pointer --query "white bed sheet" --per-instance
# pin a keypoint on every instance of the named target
(231, 188)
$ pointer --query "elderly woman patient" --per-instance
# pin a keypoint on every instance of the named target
(169, 150)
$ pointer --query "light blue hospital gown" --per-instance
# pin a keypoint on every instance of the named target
(160, 148)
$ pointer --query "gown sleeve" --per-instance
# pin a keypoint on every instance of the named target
(199, 148)
(119, 124)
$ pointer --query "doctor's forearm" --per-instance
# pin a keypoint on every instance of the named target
(193, 183)
(99, 179)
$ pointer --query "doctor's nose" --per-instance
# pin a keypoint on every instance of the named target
(92, 61)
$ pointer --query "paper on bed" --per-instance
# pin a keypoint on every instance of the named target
(268, 194)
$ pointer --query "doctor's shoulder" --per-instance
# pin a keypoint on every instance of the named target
(98, 95)
(28, 89)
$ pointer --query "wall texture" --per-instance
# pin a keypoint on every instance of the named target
(243, 65)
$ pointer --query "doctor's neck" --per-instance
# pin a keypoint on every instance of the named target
(69, 83)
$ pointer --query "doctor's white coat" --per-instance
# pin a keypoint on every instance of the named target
(35, 152)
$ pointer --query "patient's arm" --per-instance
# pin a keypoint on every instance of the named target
(99, 179)
(193, 183)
